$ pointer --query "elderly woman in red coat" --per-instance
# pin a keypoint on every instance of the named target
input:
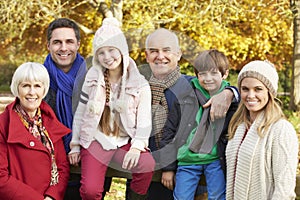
(33, 163)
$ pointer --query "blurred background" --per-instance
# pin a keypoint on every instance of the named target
(244, 30)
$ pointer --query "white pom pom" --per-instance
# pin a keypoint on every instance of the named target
(94, 107)
(111, 21)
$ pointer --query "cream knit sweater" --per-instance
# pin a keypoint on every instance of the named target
(262, 168)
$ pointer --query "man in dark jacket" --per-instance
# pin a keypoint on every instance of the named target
(67, 70)
(169, 85)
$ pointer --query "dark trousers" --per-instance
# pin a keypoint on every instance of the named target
(156, 191)
(72, 192)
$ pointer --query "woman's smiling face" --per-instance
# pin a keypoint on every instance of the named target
(254, 95)
(31, 95)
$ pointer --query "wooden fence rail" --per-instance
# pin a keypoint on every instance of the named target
(4, 101)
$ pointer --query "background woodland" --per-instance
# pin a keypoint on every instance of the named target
(244, 30)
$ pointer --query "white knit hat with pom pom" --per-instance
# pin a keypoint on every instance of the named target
(110, 34)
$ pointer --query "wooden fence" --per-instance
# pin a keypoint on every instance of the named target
(4, 100)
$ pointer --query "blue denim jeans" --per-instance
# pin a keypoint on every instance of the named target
(187, 179)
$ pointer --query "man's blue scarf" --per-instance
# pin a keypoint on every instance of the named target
(62, 83)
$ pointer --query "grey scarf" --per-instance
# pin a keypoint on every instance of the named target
(207, 133)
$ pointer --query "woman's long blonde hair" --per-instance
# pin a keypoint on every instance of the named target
(272, 113)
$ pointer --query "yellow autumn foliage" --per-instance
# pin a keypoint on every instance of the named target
(244, 29)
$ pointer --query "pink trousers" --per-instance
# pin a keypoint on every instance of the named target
(94, 163)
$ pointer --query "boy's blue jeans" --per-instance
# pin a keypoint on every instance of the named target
(187, 179)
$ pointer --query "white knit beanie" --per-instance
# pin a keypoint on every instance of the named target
(110, 34)
(263, 71)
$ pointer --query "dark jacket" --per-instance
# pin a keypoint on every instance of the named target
(180, 122)
(186, 103)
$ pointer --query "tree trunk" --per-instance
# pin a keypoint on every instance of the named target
(115, 9)
(295, 96)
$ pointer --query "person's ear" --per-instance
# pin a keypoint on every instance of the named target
(147, 56)
(179, 54)
(226, 74)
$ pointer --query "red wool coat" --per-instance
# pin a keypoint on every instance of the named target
(25, 163)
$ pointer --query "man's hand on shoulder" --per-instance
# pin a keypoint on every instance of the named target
(220, 104)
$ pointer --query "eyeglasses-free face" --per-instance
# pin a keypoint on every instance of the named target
(31, 95)
(255, 96)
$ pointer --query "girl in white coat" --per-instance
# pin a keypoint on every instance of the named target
(113, 118)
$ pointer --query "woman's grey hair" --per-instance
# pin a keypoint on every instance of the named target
(30, 71)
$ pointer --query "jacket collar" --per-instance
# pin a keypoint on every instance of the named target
(16, 130)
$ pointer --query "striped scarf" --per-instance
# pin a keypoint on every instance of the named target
(36, 128)
(159, 102)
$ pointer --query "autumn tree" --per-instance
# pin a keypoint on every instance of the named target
(22, 28)
(295, 97)
(244, 30)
